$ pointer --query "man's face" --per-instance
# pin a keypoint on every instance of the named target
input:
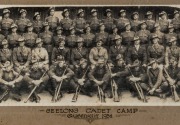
(94, 14)
(8, 68)
(99, 43)
(39, 45)
(157, 28)
(72, 32)
(80, 44)
(81, 14)
(149, 17)
(115, 30)
(173, 63)
(14, 29)
(30, 29)
(118, 42)
(123, 14)
(66, 14)
(137, 42)
(61, 44)
(6, 15)
(23, 15)
(35, 67)
(155, 41)
(38, 17)
(109, 14)
(163, 16)
(61, 63)
(102, 27)
(59, 32)
(88, 29)
(128, 27)
(136, 16)
(143, 26)
(176, 15)
(120, 62)
(46, 27)
(5, 46)
(83, 66)
(171, 30)
(51, 13)
(21, 44)
(154, 65)
(174, 42)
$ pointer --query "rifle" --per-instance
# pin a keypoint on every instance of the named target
(172, 84)
(138, 88)
(114, 87)
(78, 88)
(58, 87)
(34, 89)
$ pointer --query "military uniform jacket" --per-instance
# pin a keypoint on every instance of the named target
(104, 36)
(12, 40)
(161, 37)
(94, 24)
(77, 54)
(21, 56)
(150, 25)
(2, 37)
(7, 76)
(80, 73)
(144, 36)
(5, 55)
(53, 21)
(96, 53)
(174, 72)
(37, 26)
(71, 41)
(79, 23)
(164, 25)
(6, 23)
(135, 25)
(127, 37)
(120, 23)
(176, 24)
(30, 39)
(120, 71)
(111, 39)
(134, 54)
(66, 23)
(22, 23)
(156, 53)
(168, 36)
(108, 22)
(88, 40)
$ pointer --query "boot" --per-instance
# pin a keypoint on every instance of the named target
(16, 97)
(37, 98)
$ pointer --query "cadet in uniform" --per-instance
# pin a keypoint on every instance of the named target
(121, 21)
(71, 39)
(22, 21)
(6, 22)
(61, 50)
(66, 23)
(135, 22)
(13, 37)
(21, 57)
(163, 22)
(143, 34)
(2, 37)
(109, 21)
(94, 21)
(88, 37)
(172, 51)
(30, 36)
(170, 34)
(52, 20)
(127, 35)
(37, 23)
(112, 36)
(117, 49)
(57, 36)
(149, 21)
(176, 21)
(80, 22)
(156, 50)
(78, 53)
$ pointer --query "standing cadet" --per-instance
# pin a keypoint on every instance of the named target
(30, 36)
(78, 53)
(61, 50)
(143, 34)
(159, 34)
(117, 49)
(52, 20)
(57, 36)
(112, 36)
(22, 22)
(170, 34)
(6, 22)
(163, 22)
(71, 39)
(46, 37)
(176, 21)
(88, 37)
(36, 76)
(135, 22)
(109, 21)
(5, 53)
(37, 23)
(80, 22)
(156, 50)
(127, 35)
(13, 37)
(98, 52)
(40, 55)
(149, 21)
(172, 51)
(94, 21)
(66, 23)
(121, 21)
(21, 57)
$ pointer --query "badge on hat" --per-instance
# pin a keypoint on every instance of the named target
(135, 13)
(108, 10)
(122, 10)
(93, 10)
(23, 11)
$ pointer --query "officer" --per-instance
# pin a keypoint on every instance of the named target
(5, 53)
(13, 37)
(143, 34)
(61, 72)
(176, 21)
(71, 39)
(137, 53)
(121, 21)
(36, 76)
(149, 21)
(112, 36)
(127, 35)
(94, 21)
(103, 35)
(52, 20)
(88, 37)
(80, 22)
(163, 22)
(22, 21)
(135, 22)
(30, 36)
(66, 23)
(21, 57)
(156, 50)
(61, 50)
(40, 55)
(57, 36)
(109, 21)
(78, 53)
(117, 49)
(100, 77)
(170, 33)
(37, 23)
(10, 80)
(6, 22)
(159, 34)
(98, 52)
(172, 51)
